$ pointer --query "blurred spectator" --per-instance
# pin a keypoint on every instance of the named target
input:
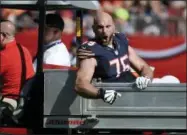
(128, 4)
(176, 21)
(69, 26)
(11, 14)
(159, 17)
(184, 14)
(121, 21)
(176, 8)
(26, 21)
(67, 16)
(110, 6)
(87, 26)
(107, 6)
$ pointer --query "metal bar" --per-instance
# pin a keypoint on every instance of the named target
(131, 84)
(39, 72)
(79, 29)
(34, 7)
(42, 12)
(69, 131)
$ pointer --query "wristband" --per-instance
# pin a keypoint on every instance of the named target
(101, 93)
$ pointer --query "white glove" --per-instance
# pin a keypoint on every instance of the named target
(12, 102)
(109, 96)
(142, 82)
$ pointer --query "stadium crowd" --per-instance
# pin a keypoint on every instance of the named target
(153, 17)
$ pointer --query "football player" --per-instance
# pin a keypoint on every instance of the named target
(108, 57)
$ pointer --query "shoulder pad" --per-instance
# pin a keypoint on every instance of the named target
(89, 43)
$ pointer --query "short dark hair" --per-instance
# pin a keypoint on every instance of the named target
(54, 20)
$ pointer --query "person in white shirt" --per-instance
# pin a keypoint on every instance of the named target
(55, 52)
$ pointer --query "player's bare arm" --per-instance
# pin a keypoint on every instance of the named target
(85, 73)
(146, 74)
(84, 87)
(139, 64)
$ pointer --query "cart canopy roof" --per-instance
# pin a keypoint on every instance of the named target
(50, 4)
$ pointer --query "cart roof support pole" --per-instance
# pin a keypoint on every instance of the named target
(79, 27)
(39, 95)
(42, 12)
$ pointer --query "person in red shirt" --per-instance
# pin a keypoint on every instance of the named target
(11, 65)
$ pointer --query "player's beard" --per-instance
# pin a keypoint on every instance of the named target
(108, 40)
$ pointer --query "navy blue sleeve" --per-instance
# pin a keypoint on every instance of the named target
(91, 46)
